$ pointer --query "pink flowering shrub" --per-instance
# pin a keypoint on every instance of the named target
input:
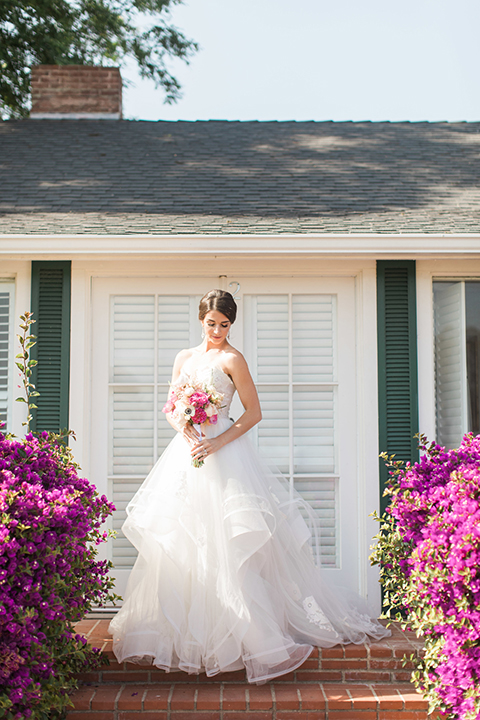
(428, 550)
(50, 576)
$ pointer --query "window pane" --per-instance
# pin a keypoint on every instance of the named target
(273, 431)
(450, 362)
(313, 318)
(131, 419)
(133, 320)
(457, 360)
(313, 430)
(472, 303)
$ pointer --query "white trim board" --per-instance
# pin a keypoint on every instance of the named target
(334, 245)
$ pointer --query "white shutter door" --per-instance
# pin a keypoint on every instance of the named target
(289, 334)
(290, 347)
(450, 363)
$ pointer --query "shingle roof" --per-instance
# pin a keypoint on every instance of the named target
(238, 177)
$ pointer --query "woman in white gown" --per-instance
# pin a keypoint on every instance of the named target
(225, 577)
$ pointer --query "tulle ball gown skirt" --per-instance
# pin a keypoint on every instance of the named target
(225, 578)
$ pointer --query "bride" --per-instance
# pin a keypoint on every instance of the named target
(225, 577)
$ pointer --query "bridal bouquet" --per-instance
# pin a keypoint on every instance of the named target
(194, 403)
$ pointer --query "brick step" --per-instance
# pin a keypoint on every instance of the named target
(380, 662)
(352, 682)
(228, 701)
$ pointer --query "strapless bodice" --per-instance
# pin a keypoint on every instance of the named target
(212, 374)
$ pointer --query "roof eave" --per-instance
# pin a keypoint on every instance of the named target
(378, 245)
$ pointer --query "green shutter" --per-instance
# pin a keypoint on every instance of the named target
(51, 310)
(397, 362)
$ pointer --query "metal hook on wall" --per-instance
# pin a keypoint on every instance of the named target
(237, 289)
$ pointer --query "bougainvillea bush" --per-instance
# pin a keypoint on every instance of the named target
(428, 550)
(50, 576)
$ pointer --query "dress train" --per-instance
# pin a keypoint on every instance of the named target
(225, 577)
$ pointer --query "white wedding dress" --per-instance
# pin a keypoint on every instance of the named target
(225, 577)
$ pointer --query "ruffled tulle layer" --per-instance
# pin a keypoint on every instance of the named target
(225, 577)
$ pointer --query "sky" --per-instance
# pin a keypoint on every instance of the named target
(339, 60)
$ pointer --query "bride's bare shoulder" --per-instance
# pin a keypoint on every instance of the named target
(181, 359)
(234, 359)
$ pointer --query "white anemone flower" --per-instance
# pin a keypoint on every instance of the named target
(189, 411)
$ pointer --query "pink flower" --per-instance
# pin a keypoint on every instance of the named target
(168, 407)
(213, 419)
(199, 399)
(199, 417)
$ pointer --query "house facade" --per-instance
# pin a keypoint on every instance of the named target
(352, 250)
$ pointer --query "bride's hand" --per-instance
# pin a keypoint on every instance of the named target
(204, 448)
(190, 434)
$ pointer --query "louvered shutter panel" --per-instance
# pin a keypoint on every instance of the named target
(313, 362)
(290, 347)
(178, 328)
(450, 363)
(267, 353)
(146, 333)
(6, 290)
(397, 361)
(51, 311)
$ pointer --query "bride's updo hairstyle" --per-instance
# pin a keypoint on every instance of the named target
(218, 300)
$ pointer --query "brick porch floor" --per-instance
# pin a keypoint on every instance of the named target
(352, 682)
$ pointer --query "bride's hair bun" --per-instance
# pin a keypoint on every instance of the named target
(218, 300)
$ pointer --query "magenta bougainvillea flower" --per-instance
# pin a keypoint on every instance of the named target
(50, 524)
(429, 553)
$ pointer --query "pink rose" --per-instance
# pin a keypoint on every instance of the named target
(199, 417)
(199, 399)
(213, 419)
(168, 407)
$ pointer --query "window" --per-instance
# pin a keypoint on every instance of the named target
(6, 348)
(457, 359)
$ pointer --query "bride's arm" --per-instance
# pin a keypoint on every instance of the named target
(188, 431)
(238, 370)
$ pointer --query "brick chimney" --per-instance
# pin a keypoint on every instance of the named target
(76, 92)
